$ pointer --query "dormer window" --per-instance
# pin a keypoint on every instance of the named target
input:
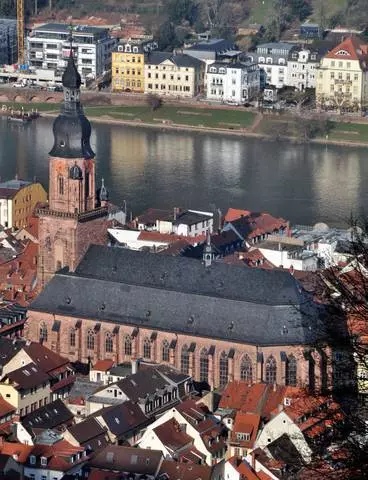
(135, 49)
(32, 460)
(128, 48)
(213, 69)
(344, 53)
(222, 70)
(243, 436)
(44, 461)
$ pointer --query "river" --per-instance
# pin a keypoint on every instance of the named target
(150, 168)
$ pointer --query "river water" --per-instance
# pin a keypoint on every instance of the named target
(150, 168)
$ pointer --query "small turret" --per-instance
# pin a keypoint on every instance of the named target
(103, 194)
(208, 253)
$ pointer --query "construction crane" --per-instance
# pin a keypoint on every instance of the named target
(20, 31)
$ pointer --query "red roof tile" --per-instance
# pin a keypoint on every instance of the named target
(352, 48)
(234, 213)
(19, 449)
(103, 365)
(247, 423)
(5, 407)
(172, 435)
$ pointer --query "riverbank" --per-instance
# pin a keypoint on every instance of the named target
(212, 120)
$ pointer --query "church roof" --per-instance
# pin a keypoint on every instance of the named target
(71, 77)
(180, 295)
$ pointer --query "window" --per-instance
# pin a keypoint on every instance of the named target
(44, 461)
(127, 345)
(43, 332)
(332, 75)
(146, 348)
(184, 365)
(90, 340)
(271, 370)
(290, 373)
(72, 337)
(223, 369)
(246, 371)
(32, 460)
(165, 351)
(108, 342)
(61, 183)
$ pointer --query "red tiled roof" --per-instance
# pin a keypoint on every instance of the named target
(103, 365)
(46, 359)
(237, 396)
(352, 48)
(243, 467)
(169, 237)
(21, 450)
(245, 423)
(184, 471)
(234, 213)
(172, 436)
(5, 407)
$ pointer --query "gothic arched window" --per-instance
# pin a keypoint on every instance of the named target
(61, 185)
(146, 348)
(290, 373)
(223, 369)
(165, 351)
(72, 338)
(184, 364)
(271, 370)
(203, 366)
(108, 342)
(246, 370)
(128, 345)
(90, 340)
(43, 332)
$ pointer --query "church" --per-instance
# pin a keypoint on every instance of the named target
(213, 321)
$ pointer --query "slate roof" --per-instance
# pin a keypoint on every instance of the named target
(27, 376)
(123, 418)
(87, 430)
(49, 416)
(180, 295)
(213, 45)
(155, 58)
(128, 459)
(148, 381)
(8, 349)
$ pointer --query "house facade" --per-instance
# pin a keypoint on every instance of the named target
(342, 81)
(48, 48)
(235, 82)
(173, 75)
(273, 59)
(302, 69)
(18, 198)
(128, 65)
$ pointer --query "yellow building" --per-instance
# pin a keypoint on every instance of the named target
(26, 388)
(342, 78)
(128, 65)
(18, 199)
(174, 75)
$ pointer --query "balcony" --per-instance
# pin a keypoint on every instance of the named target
(340, 81)
(81, 217)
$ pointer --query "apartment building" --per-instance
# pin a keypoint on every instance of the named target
(18, 198)
(273, 59)
(233, 82)
(302, 68)
(128, 65)
(342, 81)
(49, 48)
(173, 75)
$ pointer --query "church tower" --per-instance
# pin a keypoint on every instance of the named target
(71, 221)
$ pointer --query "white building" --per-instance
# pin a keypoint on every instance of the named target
(288, 253)
(48, 48)
(301, 69)
(273, 59)
(236, 82)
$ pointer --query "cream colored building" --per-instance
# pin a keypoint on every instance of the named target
(179, 75)
(26, 388)
(342, 79)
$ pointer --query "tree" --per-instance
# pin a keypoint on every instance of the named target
(182, 10)
(166, 37)
(154, 101)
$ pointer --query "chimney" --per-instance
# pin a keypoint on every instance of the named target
(274, 387)
(174, 214)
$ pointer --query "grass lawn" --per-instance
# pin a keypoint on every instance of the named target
(353, 132)
(183, 115)
(41, 107)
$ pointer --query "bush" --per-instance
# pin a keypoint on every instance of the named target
(154, 101)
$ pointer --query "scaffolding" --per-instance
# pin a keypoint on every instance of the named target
(20, 31)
